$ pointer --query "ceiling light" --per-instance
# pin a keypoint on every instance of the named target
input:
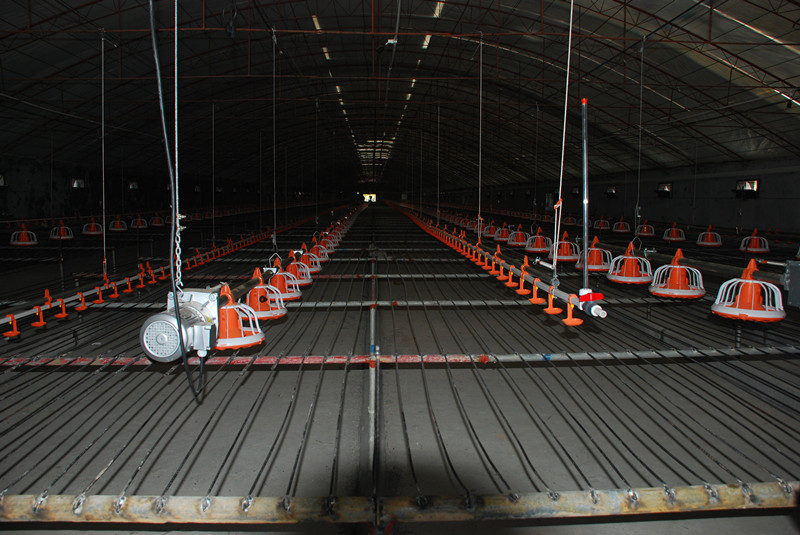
(413, 82)
(325, 51)
(338, 89)
(426, 42)
(438, 11)
(316, 22)
(408, 96)
(419, 61)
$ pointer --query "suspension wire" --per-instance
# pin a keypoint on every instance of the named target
(480, 136)
(535, 167)
(420, 169)
(212, 383)
(557, 207)
(103, 142)
(214, 175)
(274, 150)
(392, 41)
(175, 243)
(637, 215)
(438, 163)
(316, 166)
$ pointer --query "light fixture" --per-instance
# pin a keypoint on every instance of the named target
(338, 89)
(408, 96)
(325, 51)
(437, 12)
(78, 183)
(413, 82)
(316, 22)
(426, 42)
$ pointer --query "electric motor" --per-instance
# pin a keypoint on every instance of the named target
(198, 311)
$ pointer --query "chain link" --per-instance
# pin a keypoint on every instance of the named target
(178, 261)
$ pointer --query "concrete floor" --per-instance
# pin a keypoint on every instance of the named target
(616, 420)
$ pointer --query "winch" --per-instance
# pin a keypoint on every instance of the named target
(199, 311)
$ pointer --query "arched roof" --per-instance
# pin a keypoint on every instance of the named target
(387, 91)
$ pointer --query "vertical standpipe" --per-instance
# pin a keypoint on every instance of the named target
(584, 104)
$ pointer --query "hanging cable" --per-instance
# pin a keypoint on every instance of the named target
(438, 164)
(274, 151)
(535, 165)
(213, 177)
(637, 215)
(557, 206)
(480, 133)
(316, 166)
(175, 248)
(103, 141)
(420, 171)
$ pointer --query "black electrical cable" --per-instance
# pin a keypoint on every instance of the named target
(176, 306)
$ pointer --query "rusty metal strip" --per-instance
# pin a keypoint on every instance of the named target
(336, 360)
(351, 509)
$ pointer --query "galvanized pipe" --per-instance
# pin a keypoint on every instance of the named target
(585, 130)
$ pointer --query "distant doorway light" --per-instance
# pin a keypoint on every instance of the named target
(370, 197)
